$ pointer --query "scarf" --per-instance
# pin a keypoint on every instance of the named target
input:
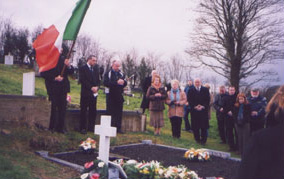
(157, 87)
(241, 112)
(177, 92)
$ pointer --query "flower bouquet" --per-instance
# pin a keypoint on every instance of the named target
(88, 146)
(95, 170)
(155, 170)
(197, 155)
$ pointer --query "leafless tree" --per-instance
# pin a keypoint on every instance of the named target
(236, 37)
(153, 60)
(36, 31)
(175, 68)
(85, 46)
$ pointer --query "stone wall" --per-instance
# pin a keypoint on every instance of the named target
(25, 109)
(33, 110)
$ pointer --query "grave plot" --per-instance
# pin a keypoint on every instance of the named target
(216, 167)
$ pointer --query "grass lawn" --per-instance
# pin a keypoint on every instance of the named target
(17, 149)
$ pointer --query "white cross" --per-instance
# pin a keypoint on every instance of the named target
(105, 131)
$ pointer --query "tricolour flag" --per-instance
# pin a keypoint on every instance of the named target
(48, 44)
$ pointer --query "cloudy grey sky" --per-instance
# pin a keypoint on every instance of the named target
(160, 26)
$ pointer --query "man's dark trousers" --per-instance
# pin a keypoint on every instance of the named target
(91, 104)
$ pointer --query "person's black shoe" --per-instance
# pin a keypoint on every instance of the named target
(222, 142)
(120, 132)
(190, 131)
(83, 131)
(62, 131)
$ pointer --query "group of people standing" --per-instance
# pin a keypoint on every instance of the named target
(194, 99)
(239, 116)
(57, 85)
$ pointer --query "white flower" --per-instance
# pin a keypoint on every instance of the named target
(84, 176)
(131, 162)
(101, 164)
(181, 175)
(161, 171)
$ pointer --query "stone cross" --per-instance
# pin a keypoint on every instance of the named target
(105, 131)
(9, 60)
(29, 84)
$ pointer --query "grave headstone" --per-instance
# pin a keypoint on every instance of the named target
(9, 60)
(106, 132)
(28, 84)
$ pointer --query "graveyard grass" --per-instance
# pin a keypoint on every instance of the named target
(17, 156)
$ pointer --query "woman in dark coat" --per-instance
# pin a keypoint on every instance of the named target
(264, 156)
(156, 95)
(241, 115)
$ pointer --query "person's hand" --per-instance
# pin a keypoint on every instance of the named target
(67, 62)
(94, 89)
(221, 110)
(254, 113)
(58, 78)
(158, 94)
(177, 103)
(230, 113)
(120, 81)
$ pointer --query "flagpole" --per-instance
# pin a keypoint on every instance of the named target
(68, 56)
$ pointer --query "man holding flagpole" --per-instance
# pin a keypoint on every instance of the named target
(57, 87)
(53, 66)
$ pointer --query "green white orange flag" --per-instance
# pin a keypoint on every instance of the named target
(48, 44)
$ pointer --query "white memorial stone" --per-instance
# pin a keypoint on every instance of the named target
(105, 131)
(9, 60)
(29, 84)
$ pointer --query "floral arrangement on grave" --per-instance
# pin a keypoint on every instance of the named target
(197, 155)
(95, 170)
(89, 145)
(155, 170)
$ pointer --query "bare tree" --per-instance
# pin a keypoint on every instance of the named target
(236, 37)
(36, 31)
(175, 68)
(85, 46)
(153, 60)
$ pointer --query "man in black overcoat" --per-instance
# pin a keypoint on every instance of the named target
(228, 105)
(57, 87)
(115, 81)
(219, 107)
(89, 77)
(198, 98)
(146, 84)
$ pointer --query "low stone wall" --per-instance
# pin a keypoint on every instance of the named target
(132, 121)
(25, 109)
(34, 110)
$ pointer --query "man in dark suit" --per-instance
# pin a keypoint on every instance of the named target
(115, 81)
(57, 87)
(219, 107)
(146, 84)
(198, 99)
(89, 76)
(228, 106)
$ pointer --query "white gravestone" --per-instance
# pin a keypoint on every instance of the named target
(106, 132)
(9, 60)
(28, 84)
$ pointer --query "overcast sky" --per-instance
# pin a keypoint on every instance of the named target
(160, 26)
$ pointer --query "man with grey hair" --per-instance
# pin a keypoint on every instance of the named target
(115, 80)
(198, 99)
(258, 104)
